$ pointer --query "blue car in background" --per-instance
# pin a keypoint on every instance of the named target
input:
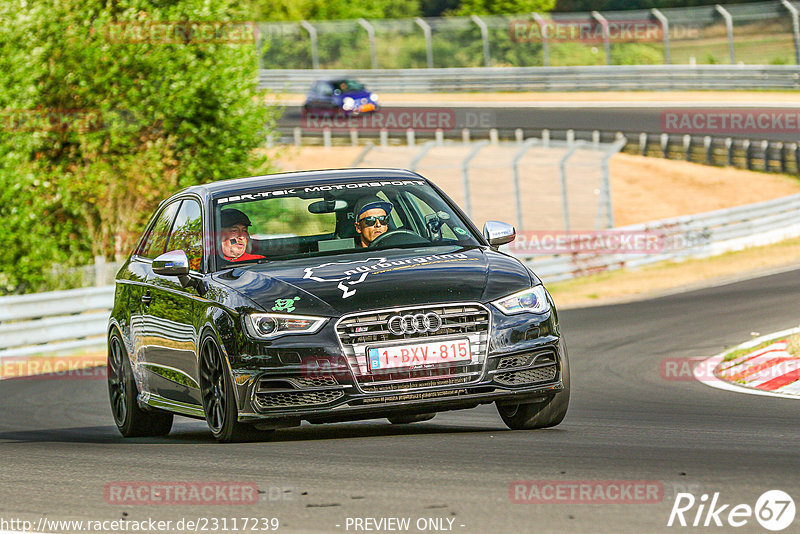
(339, 97)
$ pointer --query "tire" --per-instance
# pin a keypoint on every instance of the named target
(544, 413)
(131, 420)
(219, 398)
(408, 419)
(528, 416)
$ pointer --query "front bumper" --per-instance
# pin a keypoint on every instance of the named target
(525, 361)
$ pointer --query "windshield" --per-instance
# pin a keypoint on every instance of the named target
(339, 218)
(347, 86)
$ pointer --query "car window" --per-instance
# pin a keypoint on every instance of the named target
(319, 219)
(287, 216)
(325, 89)
(156, 241)
(428, 213)
(348, 85)
(187, 233)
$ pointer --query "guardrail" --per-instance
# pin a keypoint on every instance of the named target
(57, 320)
(63, 320)
(595, 78)
(693, 236)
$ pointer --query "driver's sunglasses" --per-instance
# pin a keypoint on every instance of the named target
(372, 219)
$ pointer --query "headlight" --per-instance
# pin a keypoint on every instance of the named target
(270, 325)
(373, 97)
(530, 300)
(348, 103)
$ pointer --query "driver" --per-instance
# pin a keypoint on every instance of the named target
(235, 236)
(371, 219)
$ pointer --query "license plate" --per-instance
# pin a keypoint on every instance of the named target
(366, 107)
(419, 354)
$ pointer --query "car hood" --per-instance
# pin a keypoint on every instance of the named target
(335, 285)
(357, 95)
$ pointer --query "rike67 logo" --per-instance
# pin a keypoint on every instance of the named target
(774, 510)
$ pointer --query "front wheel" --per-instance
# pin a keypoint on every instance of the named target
(219, 399)
(130, 419)
(548, 412)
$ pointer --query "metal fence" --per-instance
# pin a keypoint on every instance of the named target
(54, 321)
(61, 320)
(599, 78)
(752, 154)
(755, 33)
(694, 236)
(531, 182)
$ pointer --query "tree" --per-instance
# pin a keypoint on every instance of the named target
(109, 107)
(292, 10)
(503, 7)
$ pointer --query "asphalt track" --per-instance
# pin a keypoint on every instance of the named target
(59, 448)
(633, 118)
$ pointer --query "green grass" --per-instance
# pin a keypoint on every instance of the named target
(793, 347)
(741, 352)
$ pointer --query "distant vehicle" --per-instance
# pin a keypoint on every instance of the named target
(339, 97)
(307, 322)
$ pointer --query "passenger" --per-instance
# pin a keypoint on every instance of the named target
(235, 236)
(371, 218)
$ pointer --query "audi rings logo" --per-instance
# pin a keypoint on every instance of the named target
(418, 323)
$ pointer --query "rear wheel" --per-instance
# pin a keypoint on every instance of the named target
(219, 399)
(131, 420)
(408, 419)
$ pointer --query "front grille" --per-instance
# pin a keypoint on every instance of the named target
(295, 399)
(525, 360)
(513, 361)
(358, 332)
(315, 381)
(528, 376)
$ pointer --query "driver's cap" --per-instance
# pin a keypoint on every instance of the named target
(371, 202)
(231, 217)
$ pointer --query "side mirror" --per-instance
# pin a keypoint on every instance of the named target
(172, 263)
(498, 233)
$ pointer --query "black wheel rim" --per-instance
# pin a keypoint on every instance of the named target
(212, 378)
(117, 381)
(510, 411)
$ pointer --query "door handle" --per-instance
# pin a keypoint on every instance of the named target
(147, 299)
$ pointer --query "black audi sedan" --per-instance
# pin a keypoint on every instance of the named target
(324, 296)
